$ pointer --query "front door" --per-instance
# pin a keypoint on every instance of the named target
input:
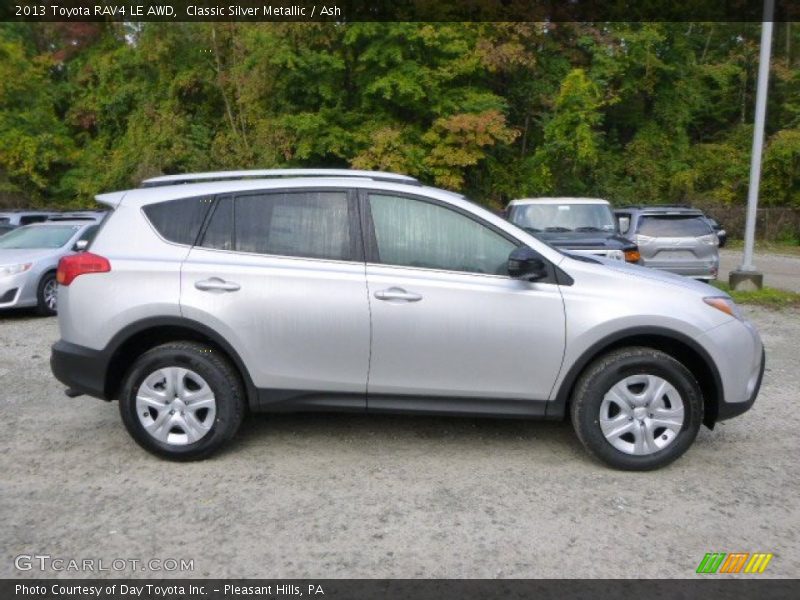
(450, 328)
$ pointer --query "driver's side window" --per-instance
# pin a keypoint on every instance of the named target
(414, 233)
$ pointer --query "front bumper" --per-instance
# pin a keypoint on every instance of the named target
(738, 353)
(15, 290)
(601, 252)
(80, 369)
(728, 410)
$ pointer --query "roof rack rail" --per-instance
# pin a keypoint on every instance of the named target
(73, 218)
(649, 206)
(274, 173)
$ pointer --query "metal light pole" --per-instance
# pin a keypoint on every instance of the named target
(746, 277)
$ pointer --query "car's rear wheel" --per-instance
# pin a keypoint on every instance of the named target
(637, 409)
(47, 295)
(182, 401)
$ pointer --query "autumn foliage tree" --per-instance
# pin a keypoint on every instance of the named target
(645, 112)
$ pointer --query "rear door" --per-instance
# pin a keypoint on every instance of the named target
(281, 275)
(450, 328)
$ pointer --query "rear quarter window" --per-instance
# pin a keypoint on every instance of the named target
(179, 221)
(673, 226)
(306, 224)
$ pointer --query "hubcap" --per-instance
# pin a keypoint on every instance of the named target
(176, 406)
(641, 414)
(50, 294)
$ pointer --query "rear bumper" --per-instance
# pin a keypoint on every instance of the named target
(79, 368)
(697, 270)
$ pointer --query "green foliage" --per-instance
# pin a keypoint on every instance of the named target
(782, 169)
(570, 153)
(35, 145)
(767, 297)
(644, 112)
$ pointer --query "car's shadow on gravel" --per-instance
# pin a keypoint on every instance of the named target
(17, 314)
(353, 430)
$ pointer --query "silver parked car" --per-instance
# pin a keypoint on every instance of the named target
(203, 295)
(18, 218)
(29, 256)
(672, 238)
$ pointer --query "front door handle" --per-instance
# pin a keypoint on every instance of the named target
(395, 293)
(216, 285)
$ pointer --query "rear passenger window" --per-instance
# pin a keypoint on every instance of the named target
(88, 233)
(219, 233)
(302, 224)
(179, 221)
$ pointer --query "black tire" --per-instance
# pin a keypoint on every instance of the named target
(42, 306)
(608, 370)
(217, 372)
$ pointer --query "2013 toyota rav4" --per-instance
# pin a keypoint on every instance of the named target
(207, 294)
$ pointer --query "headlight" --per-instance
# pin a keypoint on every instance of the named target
(632, 256)
(616, 254)
(6, 270)
(726, 305)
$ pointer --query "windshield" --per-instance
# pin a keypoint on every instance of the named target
(4, 220)
(563, 217)
(33, 237)
(673, 226)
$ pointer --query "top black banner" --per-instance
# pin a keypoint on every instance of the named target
(395, 10)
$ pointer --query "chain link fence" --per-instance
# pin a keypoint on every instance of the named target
(773, 223)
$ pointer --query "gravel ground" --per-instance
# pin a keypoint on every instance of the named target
(780, 271)
(356, 496)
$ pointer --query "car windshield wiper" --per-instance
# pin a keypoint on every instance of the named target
(588, 228)
(557, 229)
(531, 229)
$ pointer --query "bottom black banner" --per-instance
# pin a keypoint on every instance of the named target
(399, 589)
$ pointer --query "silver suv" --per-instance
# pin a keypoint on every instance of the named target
(677, 239)
(202, 296)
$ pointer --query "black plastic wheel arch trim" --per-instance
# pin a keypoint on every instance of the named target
(556, 408)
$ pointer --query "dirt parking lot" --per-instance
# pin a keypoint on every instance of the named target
(358, 496)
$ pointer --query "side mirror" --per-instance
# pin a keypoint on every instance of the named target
(624, 223)
(525, 263)
(81, 245)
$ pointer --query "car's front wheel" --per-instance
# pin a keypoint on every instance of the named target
(47, 295)
(637, 408)
(182, 401)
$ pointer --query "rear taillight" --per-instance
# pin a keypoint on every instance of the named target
(70, 267)
(711, 239)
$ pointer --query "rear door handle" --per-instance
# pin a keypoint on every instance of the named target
(395, 293)
(216, 285)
